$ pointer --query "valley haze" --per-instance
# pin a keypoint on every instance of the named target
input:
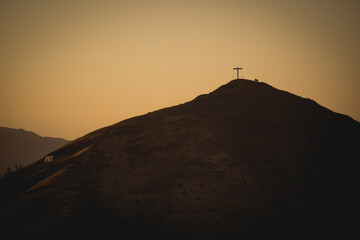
(20, 147)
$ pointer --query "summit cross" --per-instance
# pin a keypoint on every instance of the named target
(237, 70)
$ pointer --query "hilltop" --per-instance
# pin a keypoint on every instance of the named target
(244, 161)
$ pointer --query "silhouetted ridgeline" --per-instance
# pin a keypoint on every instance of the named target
(20, 147)
(246, 161)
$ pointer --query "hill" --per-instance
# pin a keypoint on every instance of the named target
(23, 147)
(246, 161)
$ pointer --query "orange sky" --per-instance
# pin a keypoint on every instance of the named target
(71, 67)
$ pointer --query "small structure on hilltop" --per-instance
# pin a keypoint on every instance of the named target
(256, 80)
(49, 159)
(237, 70)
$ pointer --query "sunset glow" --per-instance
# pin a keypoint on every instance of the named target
(71, 67)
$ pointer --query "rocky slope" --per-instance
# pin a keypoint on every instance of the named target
(245, 161)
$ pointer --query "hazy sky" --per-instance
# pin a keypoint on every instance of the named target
(71, 67)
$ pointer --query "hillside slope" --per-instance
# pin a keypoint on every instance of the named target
(246, 160)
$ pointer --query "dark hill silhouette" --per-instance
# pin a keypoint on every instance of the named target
(246, 161)
(23, 147)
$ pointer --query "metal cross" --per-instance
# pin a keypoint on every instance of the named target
(237, 70)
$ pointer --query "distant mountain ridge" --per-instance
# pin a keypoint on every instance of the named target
(246, 161)
(21, 147)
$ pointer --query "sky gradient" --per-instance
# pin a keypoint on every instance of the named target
(71, 67)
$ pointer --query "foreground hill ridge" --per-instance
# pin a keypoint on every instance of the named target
(244, 161)
(224, 88)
